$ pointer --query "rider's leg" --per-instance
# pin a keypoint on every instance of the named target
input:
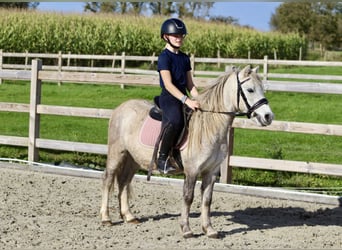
(164, 165)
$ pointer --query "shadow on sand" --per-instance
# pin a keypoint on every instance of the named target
(260, 218)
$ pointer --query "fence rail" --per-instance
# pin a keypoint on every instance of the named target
(36, 74)
(122, 74)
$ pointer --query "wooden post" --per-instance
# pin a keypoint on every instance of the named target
(123, 65)
(192, 62)
(35, 96)
(59, 67)
(26, 59)
(152, 60)
(265, 69)
(226, 168)
(68, 62)
(1, 60)
(113, 63)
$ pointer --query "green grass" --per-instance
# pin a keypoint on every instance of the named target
(315, 70)
(299, 107)
(306, 107)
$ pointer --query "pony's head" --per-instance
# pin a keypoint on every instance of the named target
(235, 93)
(250, 96)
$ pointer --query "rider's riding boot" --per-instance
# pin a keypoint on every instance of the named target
(164, 165)
(177, 157)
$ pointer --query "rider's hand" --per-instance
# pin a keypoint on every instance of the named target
(193, 104)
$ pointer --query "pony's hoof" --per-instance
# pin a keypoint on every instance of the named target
(188, 234)
(212, 235)
(107, 223)
(210, 232)
(133, 221)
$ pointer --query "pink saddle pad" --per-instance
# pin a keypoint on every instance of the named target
(150, 131)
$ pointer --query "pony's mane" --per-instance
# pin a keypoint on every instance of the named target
(203, 124)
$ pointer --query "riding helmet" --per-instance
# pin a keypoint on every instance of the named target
(173, 26)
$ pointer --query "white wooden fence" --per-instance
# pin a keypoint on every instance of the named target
(67, 73)
(37, 73)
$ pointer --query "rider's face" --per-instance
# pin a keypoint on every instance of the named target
(176, 39)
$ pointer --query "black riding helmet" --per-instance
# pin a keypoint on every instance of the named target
(173, 26)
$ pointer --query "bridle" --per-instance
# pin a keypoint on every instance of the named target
(250, 109)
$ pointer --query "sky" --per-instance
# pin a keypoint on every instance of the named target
(254, 14)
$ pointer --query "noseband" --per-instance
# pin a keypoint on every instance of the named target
(250, 109)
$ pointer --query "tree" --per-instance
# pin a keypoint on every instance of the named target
(222, 19)
(107, 7)
(318, 21)
(19, 5)
(182, 9)
(162, 8)
(326, 25)
(193, 9)
(293, 17)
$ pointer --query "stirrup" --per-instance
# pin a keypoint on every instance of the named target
(166, 168)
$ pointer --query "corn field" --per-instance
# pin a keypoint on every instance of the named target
(104, 34)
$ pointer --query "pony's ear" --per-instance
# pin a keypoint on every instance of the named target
(246, 71)
(256, 69)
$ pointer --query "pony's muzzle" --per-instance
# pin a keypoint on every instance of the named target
(268, 118)
(265, 119)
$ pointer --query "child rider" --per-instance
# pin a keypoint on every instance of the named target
(175, 81)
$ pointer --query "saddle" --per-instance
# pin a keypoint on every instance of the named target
(156, 114)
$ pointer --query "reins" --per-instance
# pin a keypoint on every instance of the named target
(224, 112)
(240, 92)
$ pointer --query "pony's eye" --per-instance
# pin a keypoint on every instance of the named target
(250, 90)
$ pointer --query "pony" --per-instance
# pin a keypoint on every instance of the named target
(233, 93)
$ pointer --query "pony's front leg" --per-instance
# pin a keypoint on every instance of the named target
(188, 197)
(208, 182)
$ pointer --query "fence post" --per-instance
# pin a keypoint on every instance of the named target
(226, 168)
(35, 96)
(1, 56)
(265, 69)
(59, 67)
(152, 60)
(123, 65)
(113, 63)
(192, 63)
(68, 62)
(26, 59)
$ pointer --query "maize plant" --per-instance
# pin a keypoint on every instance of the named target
(103, 34)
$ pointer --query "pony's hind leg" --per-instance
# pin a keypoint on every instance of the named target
(208, 182)
(114, 163)
(188, 197)
(107, 186)
(124, 179)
